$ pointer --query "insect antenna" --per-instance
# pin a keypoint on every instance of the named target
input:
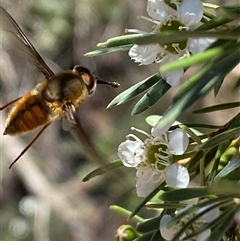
(113, 84)
(10, 103)
(26, 148)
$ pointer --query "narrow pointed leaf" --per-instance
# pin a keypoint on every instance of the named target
(149, 225)
(104, 169)
(183, 194)
(199, 85)
(218, 86)
(151, 97)
(199, 125)
(216, 22)
(157, 237)
(218, 139)
(108, 50)
(164, 37)
(224, 106)
(135, 90)
(232, 166)
(198, 58)
(216, 69)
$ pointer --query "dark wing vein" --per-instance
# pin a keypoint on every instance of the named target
(19, 40)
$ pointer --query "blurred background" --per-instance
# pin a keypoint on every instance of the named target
(43, 197)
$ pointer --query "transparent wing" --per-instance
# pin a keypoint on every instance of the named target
(20, 42)
(72, 123)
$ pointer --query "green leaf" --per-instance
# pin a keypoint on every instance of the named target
(216, 160)
(108, 50)
(225, 186)
(200, 125)
(164, 205)
(218, 86)
(157, 237)
(193, 164)
(135, 90)
(232, 11)
(149, 225)
(165, 37)
(215, 70)
(199, 85)
(104, 169)
(183, 194)
(215, 22)
(230, 167)
(212, 108)
(198, 58)
(218, 139)
(151, 97)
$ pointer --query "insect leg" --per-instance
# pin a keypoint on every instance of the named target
(10, 103)
(26, 148)
(70, 113)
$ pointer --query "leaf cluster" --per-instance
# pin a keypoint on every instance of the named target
(213, 159)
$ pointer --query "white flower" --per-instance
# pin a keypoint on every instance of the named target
(144, 54)
(153, 159)
(147, 180)
(158, 10)
(131, 152)
(169, 232)
(188, 15)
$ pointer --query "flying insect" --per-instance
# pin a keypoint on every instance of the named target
(57, 96)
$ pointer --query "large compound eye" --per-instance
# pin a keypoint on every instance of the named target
(87, 78)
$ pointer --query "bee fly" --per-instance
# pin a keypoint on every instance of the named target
(57, 96)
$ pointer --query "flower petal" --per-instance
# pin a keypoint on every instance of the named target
(147, 180)
(131, 153)
(173, 77)
(177, 176)
(198, 45)
(210, 215)
(144, 54)
(204, 235)
(190, 11)
(178, 142)
(159, 10)
(167, 233)
(157, 132)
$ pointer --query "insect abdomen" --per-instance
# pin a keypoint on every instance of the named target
(28, 114)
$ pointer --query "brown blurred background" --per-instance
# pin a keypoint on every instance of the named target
(43, 197)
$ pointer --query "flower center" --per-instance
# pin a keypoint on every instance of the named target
(173, 47)
(158, 155)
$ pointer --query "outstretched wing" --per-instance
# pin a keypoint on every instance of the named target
(19, 40)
